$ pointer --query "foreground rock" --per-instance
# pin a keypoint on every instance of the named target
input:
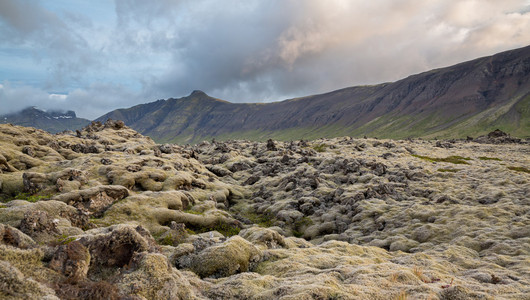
(105, 213)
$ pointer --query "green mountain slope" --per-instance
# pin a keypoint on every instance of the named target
(471, 98)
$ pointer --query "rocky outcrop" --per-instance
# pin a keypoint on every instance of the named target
(72, 260)
(228, 258)
(13, 237)
(263, 237)
(94, 201)
(37, 222)
(497, 137)
(152, 277)
(115, 246)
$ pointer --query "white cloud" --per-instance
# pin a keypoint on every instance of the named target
(57, 97)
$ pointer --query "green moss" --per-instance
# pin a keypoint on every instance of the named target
(226, 229)
(320, 147)
(64, 240)
(29, 197)
(520, 169)
(300, 225)
(448, 170)
(305, 221)
(193, 212)
(167, 240)
(263, 220)
(450, 159)
(223, 228)
(489, 158)
(334, 296)
(297, 233)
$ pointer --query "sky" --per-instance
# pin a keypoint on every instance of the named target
(93, 56)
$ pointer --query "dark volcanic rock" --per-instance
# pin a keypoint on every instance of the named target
(497, 137)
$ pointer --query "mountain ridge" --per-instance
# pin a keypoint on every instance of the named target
(51, 121)
(484, 93)
(469, 98)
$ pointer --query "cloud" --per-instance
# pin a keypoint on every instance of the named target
(16, 99)
(248, 51)
(90, 102)
(104, 56)
(54, 42)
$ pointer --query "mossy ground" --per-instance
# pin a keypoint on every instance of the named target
(380, 222)
(454, 159)
(520, 169)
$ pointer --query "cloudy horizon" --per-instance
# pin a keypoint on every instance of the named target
(96, 56)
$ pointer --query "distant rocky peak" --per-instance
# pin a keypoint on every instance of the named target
(64, 115)
(56, 114)
(198, 93)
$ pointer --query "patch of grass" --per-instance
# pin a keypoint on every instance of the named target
(320, 147)
(29, 197)
(334, 296)
(402, 296)
(520, 169)
(171, 239)
(299, 224)
(167, 240)
(418, 272)
(223, 228)
(226, 229)
(455, 159)
(262, 220)
(305, 221)
(448, 170)
(297, 233)
(489, 158)
(64, 239)
(193, 212)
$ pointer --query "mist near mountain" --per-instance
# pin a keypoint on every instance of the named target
(51, 121)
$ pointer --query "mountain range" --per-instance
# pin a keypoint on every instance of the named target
(467, 99)
(51, 121)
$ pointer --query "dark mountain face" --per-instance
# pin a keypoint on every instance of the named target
(470, 98)
(51, 121)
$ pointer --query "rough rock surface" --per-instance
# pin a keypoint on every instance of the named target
(72, 260)
(232, 256)
(105, 213)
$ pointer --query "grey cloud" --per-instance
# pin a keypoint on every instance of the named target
(15, 99)
(25, 17)
(90, 102)
(56, 45)
(99, 99)
(251, 51)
